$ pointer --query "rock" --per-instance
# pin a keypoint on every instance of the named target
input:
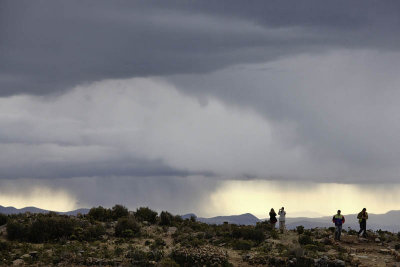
(339, 263)
(362, 256)
(377, 240)
(18, 262)
(33, 254)
(384, 251)
(25, 256)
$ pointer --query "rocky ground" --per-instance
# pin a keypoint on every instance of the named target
(190, 243)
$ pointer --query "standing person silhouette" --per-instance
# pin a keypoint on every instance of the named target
(338, 220)
(272, 218)
(362, 219)
(282, 215)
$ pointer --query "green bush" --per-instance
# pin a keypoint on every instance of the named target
(3, 219)
(311, 247)
(119, 211)
(352, 232)
(242, 244)
(125, 224)
(166, 218)
(249, 233)
(168, 262)
(93, 232)
(17, 230)
(146, 214)
(274, 234)
(300, 229)
(100, 214)
(305, 239)
(158, 243)
(265, 226)
(47, 228)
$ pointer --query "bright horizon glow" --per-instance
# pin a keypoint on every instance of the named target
(40, 197)
(300, 199)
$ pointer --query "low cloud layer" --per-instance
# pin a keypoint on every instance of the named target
(138, 127)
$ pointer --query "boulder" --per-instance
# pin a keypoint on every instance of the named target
(18, 262)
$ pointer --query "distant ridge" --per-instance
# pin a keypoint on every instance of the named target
(12, 210)
(389, 221)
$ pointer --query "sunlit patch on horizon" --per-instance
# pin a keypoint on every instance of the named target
(39, 197)
(300, 199)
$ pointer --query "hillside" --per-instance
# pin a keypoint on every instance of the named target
(117, 237)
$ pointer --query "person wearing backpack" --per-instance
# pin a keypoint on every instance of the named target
(362, 219)
(338, 220)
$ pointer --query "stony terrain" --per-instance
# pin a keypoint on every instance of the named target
(116, 237)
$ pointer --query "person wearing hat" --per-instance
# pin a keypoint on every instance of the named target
(338, 220)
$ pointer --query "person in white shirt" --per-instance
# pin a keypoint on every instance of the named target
(282, 215)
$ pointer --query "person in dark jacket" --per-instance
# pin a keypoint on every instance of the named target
(272, 218)
(338, 220)
(362, 219)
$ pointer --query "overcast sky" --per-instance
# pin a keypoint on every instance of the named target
(169, 103)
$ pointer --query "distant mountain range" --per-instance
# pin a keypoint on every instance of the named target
(12, 210)
(389, 221)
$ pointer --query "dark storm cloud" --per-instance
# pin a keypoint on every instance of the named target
(48, 46)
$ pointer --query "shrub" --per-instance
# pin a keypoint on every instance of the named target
(300, 229)
(119, 211)
(168, 262)
(178, 219)
(305, 239)
(51, 228)
(125, 224)
(3, 219)
(397, 246)
(94, 232)
(249, 233)
(352, 232)
(100, 214)
(265, 226)
(311, 247)
(4, 246)
(274, 234)
(242, 244)
(158, 243)
(166, 218)
(146, 214)
(17, 231)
